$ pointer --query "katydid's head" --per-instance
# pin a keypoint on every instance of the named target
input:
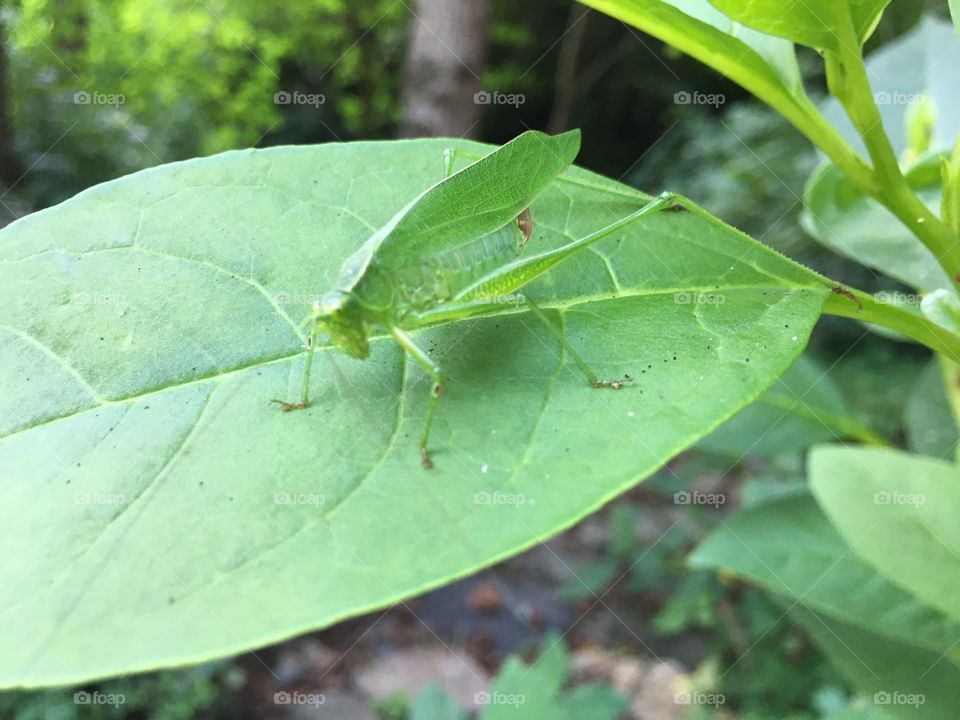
(339, 314)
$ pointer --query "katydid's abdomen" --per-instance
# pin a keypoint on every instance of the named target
(436, 278)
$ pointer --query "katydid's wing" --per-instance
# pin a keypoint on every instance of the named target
(475, 201)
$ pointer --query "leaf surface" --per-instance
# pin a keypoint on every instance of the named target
(156, 510)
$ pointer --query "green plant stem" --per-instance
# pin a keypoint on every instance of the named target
(818, 130)
(840, 425)
(893, 317)
(848, 82)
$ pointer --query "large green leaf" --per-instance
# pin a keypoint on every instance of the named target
(899, 512)
(788, 547)
(157, 511)
(899, 680)
(805, 407)
(931, 429)
(815, 23)
(877, 635)
(843, 219)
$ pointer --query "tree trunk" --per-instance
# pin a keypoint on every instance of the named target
(8, 163)
(445, 59)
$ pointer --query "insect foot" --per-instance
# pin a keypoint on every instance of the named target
(612, 384)
(287, 406)
(425, 458)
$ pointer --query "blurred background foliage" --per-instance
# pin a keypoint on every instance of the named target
(200, 77)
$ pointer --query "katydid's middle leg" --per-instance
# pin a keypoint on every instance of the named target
(581, 363)
(433, 369)
(305, 388)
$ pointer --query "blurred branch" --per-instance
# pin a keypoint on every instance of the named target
(566, 91)
(603, 63)
(8, 160)
(445, 60)
(571, 86)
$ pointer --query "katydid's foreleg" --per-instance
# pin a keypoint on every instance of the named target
(581, 363)
(433, 369)
(305, 388)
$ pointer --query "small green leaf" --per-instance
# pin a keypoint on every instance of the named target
(534, 687)
(804, 407)
(921, 119)
(843, 219)
(534, 692)
(955, 13)
(899, 512)
(148, 322)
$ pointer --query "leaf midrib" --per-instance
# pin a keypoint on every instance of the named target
(559, 306)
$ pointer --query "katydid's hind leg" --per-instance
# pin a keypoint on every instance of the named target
(433, 369)
(305, 388)
(592, 378)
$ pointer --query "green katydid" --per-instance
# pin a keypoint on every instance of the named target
(453, 253)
